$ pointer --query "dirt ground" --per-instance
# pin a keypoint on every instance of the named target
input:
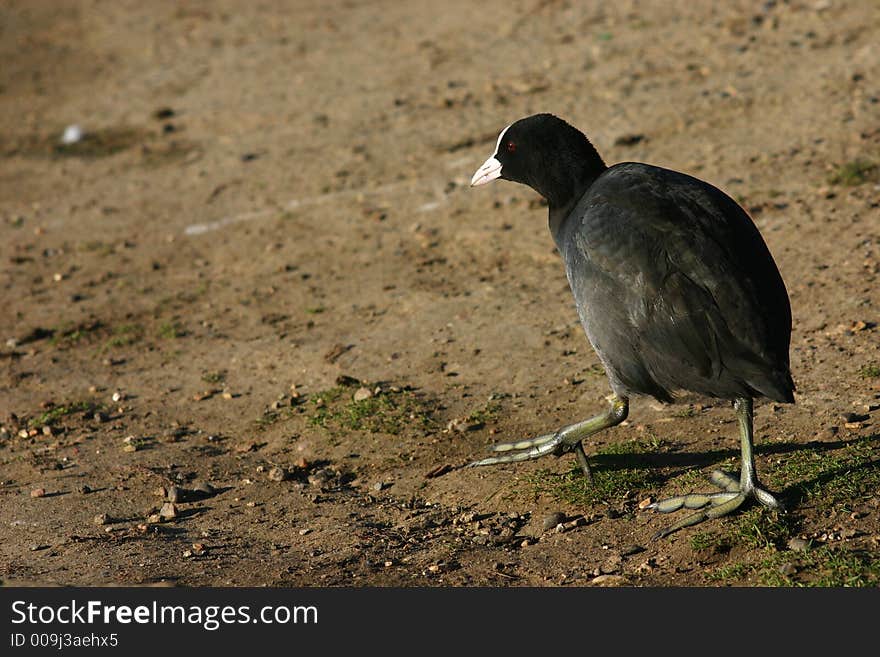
(255, 321)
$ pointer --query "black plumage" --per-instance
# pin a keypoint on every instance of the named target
(674, 285)
(676, 288)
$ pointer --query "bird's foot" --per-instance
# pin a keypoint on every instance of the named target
(531, 448)
(713, 505)
(566, 439)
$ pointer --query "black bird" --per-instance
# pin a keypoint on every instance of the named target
(674, 286)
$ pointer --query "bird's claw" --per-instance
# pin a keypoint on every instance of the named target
(567, 439)
(524, 450)
(712, 505)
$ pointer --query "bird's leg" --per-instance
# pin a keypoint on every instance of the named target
(733, 493)
(564, 440)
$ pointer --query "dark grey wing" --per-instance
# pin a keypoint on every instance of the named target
(697, 292)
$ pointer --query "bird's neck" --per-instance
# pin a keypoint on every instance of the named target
(564, 193)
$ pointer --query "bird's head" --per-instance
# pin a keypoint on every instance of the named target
(545, 153)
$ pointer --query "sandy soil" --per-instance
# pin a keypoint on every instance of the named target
(270, 214)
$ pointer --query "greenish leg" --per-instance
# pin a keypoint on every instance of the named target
(584, 462)
(733, 493)
(566, 439)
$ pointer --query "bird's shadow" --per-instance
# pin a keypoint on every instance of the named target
(681, 462)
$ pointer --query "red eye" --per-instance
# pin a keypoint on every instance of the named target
(511, 147)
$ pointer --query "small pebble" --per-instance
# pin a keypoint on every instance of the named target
(319, 478)
(609, 580)
(553, 520)
(462, 424)
(38, 492)
(101, 519)
(174, 494)
(168, 511)
(118, 396)
(277, 474)
(362, 393)
(798, 544)
(48, 430)
(85, 489)
(612, 565)
(645, 503)
(380, 485)
(203, 487)
(198, 548)
(72, 134)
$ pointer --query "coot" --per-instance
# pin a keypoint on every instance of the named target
(674, 286)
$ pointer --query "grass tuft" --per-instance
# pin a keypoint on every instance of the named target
(869, 371)
(824, 566)
(53, 415)
(125, 335)
(611, 484)
(831, 480)
(389, 411)
(855, 172)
